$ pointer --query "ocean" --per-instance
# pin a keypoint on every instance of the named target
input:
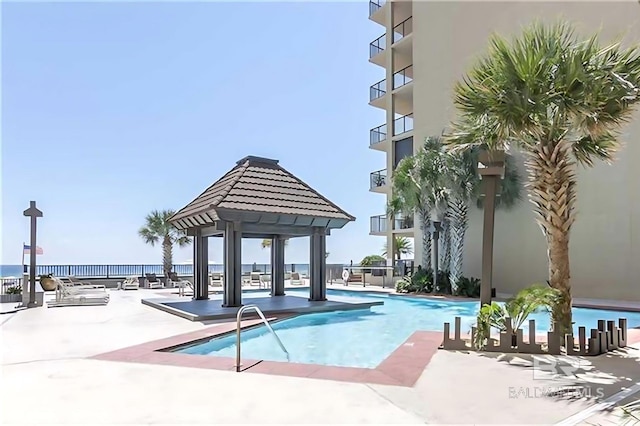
(127, 270)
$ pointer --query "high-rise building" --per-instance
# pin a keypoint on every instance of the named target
(425, 47)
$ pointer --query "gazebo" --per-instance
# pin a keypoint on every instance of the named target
(258, 199)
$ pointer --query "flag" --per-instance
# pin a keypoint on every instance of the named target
(27, 249)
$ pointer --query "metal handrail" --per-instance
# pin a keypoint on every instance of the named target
(377, 90)
(378, 45)
(377, 134)
(264, 320)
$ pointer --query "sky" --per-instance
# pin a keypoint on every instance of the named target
(111, 110)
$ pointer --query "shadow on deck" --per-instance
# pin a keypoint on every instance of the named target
(212, 309)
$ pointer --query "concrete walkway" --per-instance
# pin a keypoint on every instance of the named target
(46, 379)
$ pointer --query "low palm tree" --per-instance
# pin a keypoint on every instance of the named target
(419, 188)
(157, 229)
(562, 101)
(402, 246)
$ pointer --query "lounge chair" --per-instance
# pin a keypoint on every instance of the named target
(216, 279)
(71, 280)
(130, 283)
(254, 279)
(265, 281)
(295, 278)
(151, 281)
(75, 295)
(180, 283)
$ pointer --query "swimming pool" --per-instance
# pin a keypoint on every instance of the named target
(364, 338)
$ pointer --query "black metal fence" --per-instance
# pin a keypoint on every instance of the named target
(122, 271)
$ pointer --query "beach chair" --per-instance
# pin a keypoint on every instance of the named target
(151, 281)
(130, 283)
(295, 278)
(265, 281)
(216, 279)
(179, 283)
(75, 295)
(71, 280)
(254, 279)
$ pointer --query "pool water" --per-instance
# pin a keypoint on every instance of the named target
(365, 337)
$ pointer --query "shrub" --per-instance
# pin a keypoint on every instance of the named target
(535, 298)
(421, 281)
(14, 289)
(468, 287)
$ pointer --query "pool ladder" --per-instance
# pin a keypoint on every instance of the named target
(238, 330)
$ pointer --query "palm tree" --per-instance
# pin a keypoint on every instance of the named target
(464, 188)
(158, 229)
(418, 188)
(562, 101)
(266, 243)
(402, 246)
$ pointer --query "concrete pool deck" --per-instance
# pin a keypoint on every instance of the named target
(50, 376)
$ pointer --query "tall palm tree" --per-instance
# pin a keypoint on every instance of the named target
(562, 101)
(402, 246)
(158, 229)
(418, 188)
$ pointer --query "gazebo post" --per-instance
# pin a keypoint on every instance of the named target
(232, 265)
(200, 266)
(318, 265)
(277, 266)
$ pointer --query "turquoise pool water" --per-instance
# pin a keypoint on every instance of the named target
(364, 338)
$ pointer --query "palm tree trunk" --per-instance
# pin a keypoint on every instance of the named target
(167, 257)
(445, 243)
(459, 214)
(552, 190)
(425, 224)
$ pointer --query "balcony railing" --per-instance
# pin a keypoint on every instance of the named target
(377, 90)
(377, 134)
(402, 77)
(379, 224)
(403, 29)
(403, 124)
(378, 45)
(403, 222)
(378, 179)
(375, 5)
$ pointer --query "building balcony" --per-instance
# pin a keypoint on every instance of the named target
(403, 29)
(403, 124)
(378, 181)
(376, 94)
(403, 224)
(377, 135)
(378, 225)
(403, 91)
(377, 90)
(376, 47)
(403, 77)
(378, 11)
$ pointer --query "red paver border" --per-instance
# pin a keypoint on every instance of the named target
(402, 368)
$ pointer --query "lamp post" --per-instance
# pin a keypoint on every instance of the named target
(491, 171)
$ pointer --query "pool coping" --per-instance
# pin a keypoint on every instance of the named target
(403, 367)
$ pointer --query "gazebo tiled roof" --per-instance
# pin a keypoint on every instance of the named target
(259, 191)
